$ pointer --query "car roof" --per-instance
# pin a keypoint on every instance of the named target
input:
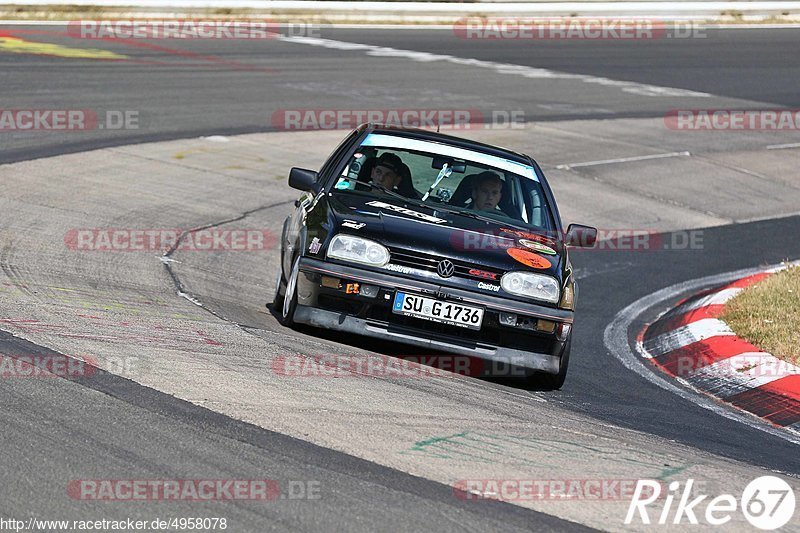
(427, 135)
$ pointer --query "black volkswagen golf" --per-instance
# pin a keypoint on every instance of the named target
(435, 241)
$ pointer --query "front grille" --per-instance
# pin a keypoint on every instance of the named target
(465, 335)
(427, 262)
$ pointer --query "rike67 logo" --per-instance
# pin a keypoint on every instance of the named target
(767, 502)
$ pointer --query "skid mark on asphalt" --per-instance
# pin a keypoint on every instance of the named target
(525, 451)
(94, 300)
(17, 283)
(185, 54)
(587, 272)
(145, 334)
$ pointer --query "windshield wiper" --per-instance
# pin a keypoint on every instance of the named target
(469, 214)
(476, 216)
(406, 199)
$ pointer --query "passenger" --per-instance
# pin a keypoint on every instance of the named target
(405, 186)
(487, 190)
(387, 171)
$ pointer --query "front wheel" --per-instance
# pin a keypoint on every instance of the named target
(290, 296)
(280, 289)
(542, 381)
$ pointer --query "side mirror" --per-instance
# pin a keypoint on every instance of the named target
(581, 236)
(302, 179)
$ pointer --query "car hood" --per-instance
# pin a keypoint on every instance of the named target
(407, 226)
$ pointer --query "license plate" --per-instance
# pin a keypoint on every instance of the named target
(451, 313)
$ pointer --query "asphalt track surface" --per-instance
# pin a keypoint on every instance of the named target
(184, 89)
(217, 91)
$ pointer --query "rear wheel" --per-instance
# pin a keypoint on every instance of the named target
(542, 381)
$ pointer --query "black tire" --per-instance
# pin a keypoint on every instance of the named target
(287, 309)
(550, 382)
(280, 290)
(280, 279)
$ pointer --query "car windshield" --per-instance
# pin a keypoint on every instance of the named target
(447, 177)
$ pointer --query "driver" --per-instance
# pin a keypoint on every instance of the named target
(487, 190)
(387, 171)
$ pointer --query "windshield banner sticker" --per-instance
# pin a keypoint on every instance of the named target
(541, 248)
(409, 212)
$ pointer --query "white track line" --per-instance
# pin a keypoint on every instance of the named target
(501, 68)
(623, 160)
(616, 341)
(783, 146)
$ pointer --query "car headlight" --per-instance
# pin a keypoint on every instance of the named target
(358, 250)
(531, 285)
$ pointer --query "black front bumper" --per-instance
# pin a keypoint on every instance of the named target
(332, 308)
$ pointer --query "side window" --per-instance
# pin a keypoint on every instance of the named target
(518, 199)
(540, 212)
(327, 167)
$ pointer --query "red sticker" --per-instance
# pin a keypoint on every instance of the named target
(529, 258)
(482, 274)
(532, 236)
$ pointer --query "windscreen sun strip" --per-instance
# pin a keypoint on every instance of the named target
(392, 141)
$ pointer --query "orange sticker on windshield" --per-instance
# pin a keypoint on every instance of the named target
(529, 258)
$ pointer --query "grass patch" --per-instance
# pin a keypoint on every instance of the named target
(768, 314)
